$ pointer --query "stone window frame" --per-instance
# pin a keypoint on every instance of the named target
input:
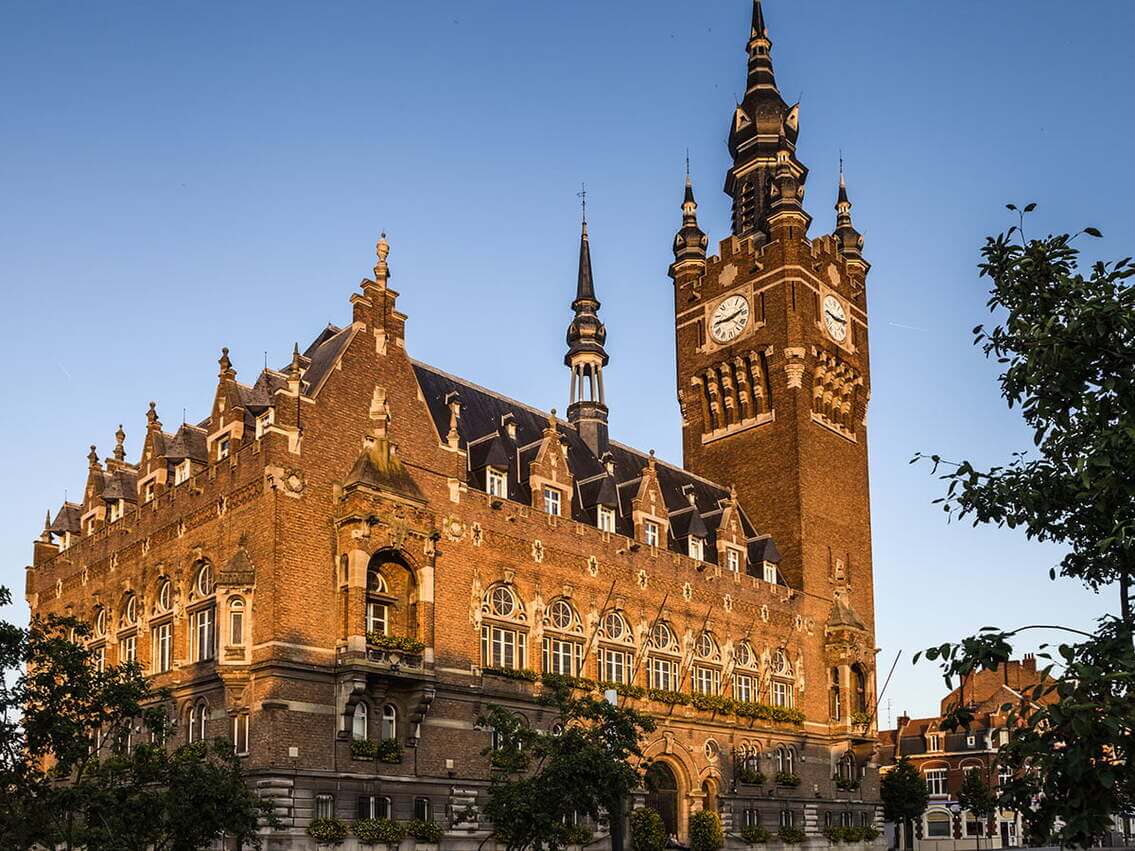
(553, 501)
(494, 621)
(496, 476)
(605, 519)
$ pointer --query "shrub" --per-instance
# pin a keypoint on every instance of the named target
(674, 698)
(563, 682)
(714, 703)
(846, 784)
(522, 674)
(791, 835)
(364, 749)
(845, 834)
(425, 830)
(750, 776)
(705, 831)
(861, 719)
(395, 642)
(870, 834)
(378, 831)
(389, 750)
(579, 834)
(648, 833)
(755, 835)
(787, 778)
(624, 690)
(327, 831)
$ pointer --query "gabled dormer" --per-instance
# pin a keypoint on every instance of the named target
(648, 508)
(732, 542)
(94, 507)
(550, 480)
(688, 527)
(227, 421)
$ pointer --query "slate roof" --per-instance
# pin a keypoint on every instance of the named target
(483, 432)
(67, 519)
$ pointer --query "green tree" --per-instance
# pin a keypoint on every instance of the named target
(706, 833)
(648, 832)
(77, 767)
(1064, 338)
(905, 798)
(976, 796)
(542, 781)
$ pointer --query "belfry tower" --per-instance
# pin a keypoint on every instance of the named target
(772, 366)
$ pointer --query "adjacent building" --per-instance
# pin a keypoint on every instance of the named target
(353, 555)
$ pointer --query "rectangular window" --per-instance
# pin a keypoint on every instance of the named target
(733, 560)
(373, 806)
(203, 635)
(552, 501)
(606, 519)
(148, 492)
(706, 680)
(496, 483)
(938, 825)
(615, 666)
(324, 806)
(263, 421)
(236, 626)
(562, 657)
(663, 673)
(782, 694)
(130, 649)
(100, 658)
(224, 446)
(650, 533)
(936, 781)
(787, 818)
(422, 809)
(770, 573)
(1004, 775)
(116, 508)
(743, 688)
(973, 826)
(181, 471)
(376, 617)
(161, 647)
(502, 648)
(933, 742)
(696, 548)
(240, 734)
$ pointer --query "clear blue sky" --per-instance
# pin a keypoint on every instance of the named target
(181, 176)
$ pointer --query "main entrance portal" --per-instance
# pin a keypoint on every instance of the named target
(662, 795)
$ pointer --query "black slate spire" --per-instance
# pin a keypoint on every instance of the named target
(849, 240)
(586, 356)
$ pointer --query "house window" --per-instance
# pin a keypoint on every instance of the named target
(650, 533)
(743, 689)
(606, 519)
(203, 634)
(503, 602)
(130, 649)
(783, 694)
(933, 742)
(198, 721)
(205, 580)
(181, 472)
(562, 657)
(662, 673)
(496, 483)
(706, 680)
(859, 680)
(834, 708)
(236, 621)
(116, 509)
(787, 818)
(502, 647)
(615, 626)
(165, 595)
(936, 781)
(973, 825)
(733, 560)
(161, 647)
(938, 825)
(552, 501)
(786, 759)
(752, 818)
(100, 622)
(389, 722)
(373, 806)
(422, 809)
(263, 421)
(770, 573)
(240, 734)
(971, 741)
(130, 610)
(696, 548)
(846, 819)
(614, 665)
(224, 446)
(324, 806)
(100, 658)
(378, 610)
(662, 638)
(1004, 775)
(359, 722)
(148, 492)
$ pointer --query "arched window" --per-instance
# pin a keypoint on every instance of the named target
(236, 621)
(503, 643)
(706, 678)
(165, 595)
(378, 604)
(859, 678)
(662, 638)
(783, 685)
(845, 768)
(707, 647)
(359, 721)
(786, 759)
(834, 708)
(198, 721)
(616, 664)
(130, 610)
(562, 654)
(562, 616)
(937, 825)
(745, 680)
(662, 672)
(389, 722)
(204, 583)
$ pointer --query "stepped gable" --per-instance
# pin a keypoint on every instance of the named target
(495, 430)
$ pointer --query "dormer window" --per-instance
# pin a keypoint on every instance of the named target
(148, 492)
(182, 471)
(733, 560)
(496, 483)
(263, 421)
(650, 533)
(696, 548)
(770, 573)
(552, 501)
(933, 742)
(224, 446)
(117, 507)
(606, 520)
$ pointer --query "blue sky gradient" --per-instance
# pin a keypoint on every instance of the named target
(181, 176)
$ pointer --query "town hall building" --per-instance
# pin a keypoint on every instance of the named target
(354, 555)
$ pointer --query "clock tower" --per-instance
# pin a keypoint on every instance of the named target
(772, 338)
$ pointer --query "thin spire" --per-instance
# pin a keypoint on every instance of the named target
(759, 27)
(585, 281)
(760, 60)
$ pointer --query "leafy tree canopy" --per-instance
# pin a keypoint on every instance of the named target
(904, 793)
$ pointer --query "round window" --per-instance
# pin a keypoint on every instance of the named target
(614, 627)
(205, 580)
(561, 615)
(706, 646)
(130, 613)
(503, 602)
(165, 595)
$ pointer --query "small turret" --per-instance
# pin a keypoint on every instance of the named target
(120, 445)
(690, 243)
(850, 241)
(586, 357)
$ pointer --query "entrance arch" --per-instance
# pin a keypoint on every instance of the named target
(662, 795)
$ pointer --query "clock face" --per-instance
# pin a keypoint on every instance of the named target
(729, 319)
(835, 318)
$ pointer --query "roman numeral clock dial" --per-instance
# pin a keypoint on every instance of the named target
(835, 318)
(729, 319)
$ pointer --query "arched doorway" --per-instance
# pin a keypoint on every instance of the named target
(662, 795)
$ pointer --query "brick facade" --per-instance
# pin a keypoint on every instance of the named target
(345, 500)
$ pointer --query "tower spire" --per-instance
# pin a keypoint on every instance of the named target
(586, 356)
(849, 240)
(760, 58)
(690, 242)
